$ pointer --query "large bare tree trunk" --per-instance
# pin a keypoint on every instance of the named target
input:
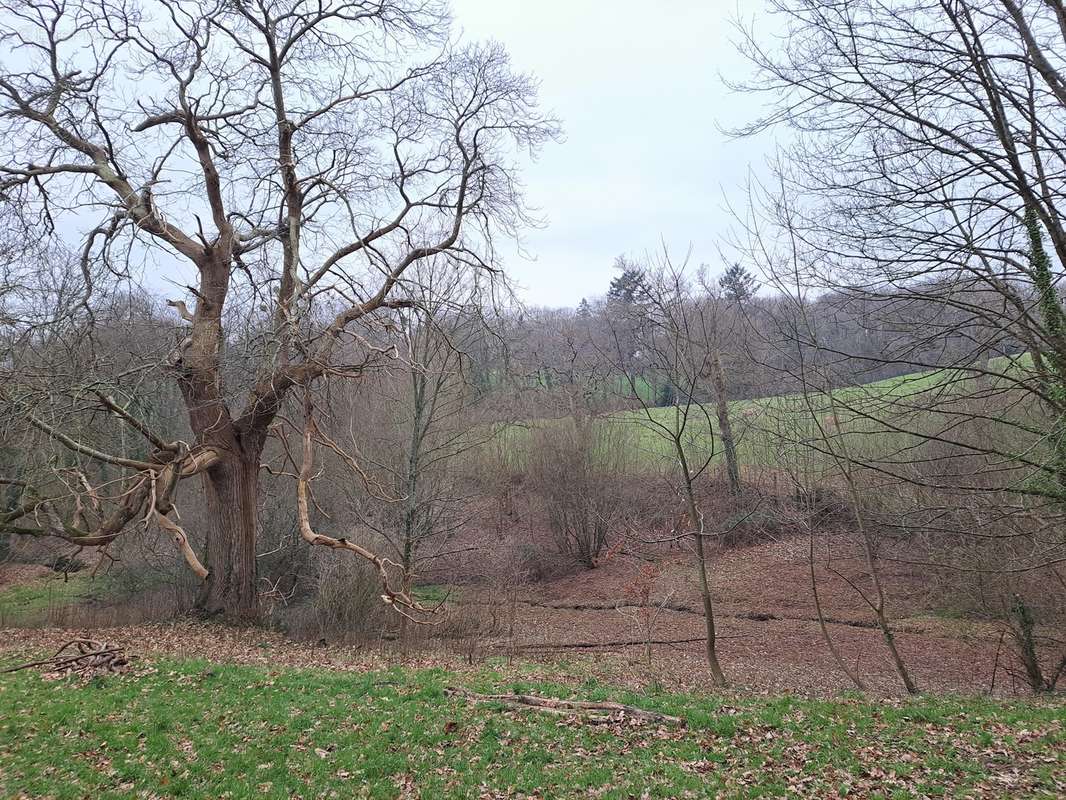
(232, 504)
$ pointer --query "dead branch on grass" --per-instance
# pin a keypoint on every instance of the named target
(84, 657)
(581, 709)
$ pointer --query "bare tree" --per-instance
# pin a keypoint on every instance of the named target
(925, 172)
(719, 326)
(286, 164)
(410, 428)
(672, 343)
(783, 433)
(921, 192)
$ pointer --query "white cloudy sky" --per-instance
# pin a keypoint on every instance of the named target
(638, 88)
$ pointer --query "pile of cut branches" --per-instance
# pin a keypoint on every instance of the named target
(82, 657)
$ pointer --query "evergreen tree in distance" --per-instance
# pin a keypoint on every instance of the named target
(738, 284)
(627, 287)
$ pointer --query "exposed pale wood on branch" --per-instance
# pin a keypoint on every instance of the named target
(180, 538)
(399, 599)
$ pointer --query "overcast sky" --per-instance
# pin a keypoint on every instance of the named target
(638, 89)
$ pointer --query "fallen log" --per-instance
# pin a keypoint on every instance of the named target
(580, 709)
(681, 608)
(612, 643)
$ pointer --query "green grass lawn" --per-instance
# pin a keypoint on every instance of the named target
(194, 729)
(768, 429)
(432, 593)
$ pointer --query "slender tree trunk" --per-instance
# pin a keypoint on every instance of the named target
(878, 605)
(231, 489)
(725, 428)
(408, 579)
(411, 510)
(872, 565)
(717, 676)
(1022, 625)
(826, 637)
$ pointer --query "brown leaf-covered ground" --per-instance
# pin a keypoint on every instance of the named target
(769, 637)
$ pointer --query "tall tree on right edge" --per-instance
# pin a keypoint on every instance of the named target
(924, 170)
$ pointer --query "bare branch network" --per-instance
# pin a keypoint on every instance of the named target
(284, 166)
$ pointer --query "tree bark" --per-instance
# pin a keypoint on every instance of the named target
(717, 676)
(231, 490)
(725, 428)
(696, 519)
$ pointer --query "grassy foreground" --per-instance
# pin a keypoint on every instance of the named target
(194, 729)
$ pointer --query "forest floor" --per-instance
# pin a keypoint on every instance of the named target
(769, 638)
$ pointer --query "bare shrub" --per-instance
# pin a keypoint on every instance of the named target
(989, 554)
(463, 629)
(643, 605)
(738, 519)
(578, 468)
(345, 605)
(1006, 574)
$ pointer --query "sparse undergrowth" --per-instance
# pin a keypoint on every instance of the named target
(34, 598)
(196, 729)
(120, 596)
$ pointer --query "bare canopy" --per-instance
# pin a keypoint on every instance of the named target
(280, 164)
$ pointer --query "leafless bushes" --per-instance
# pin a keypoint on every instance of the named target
(578, 468)
(646, 605)
(128, 599)
(344, 605)
(995, 560)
